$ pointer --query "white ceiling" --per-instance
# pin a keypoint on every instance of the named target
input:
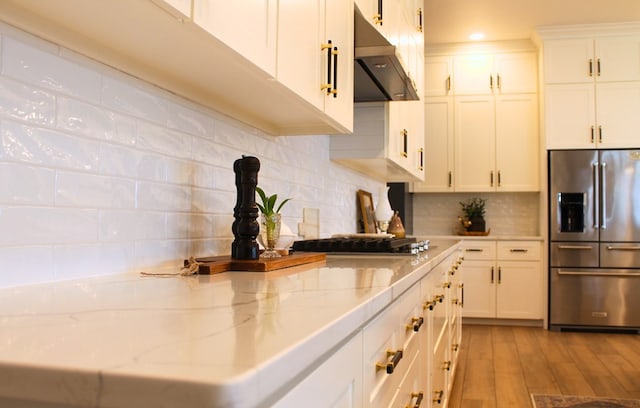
(451, 21)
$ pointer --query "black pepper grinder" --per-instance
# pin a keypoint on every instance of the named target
(245, 226)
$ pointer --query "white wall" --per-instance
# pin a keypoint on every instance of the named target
(101, 173)
(506, 213)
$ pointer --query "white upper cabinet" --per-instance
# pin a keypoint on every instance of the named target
(384, 145)
(592, 86)
(480, 74)
(315, 54)
(585, 60)
(437, 75)
(496, 143)
(224, 55)
(481, 122)
(438, 146)
(248, 27)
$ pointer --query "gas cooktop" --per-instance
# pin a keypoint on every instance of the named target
(363, 245)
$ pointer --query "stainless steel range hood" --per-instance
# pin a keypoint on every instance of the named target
(379, 74)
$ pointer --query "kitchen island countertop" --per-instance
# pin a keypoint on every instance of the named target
(232, 339)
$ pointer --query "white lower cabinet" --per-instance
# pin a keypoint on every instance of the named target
(389, 342)
(503, 279)
(404, 357)
(336, 383)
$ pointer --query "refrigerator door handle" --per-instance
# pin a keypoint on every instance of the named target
(596, 273)
(586, 247)
(596, 195)
(603, 195)
(623, 248)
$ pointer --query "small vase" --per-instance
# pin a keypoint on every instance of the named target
(270, 233)
(477, 224)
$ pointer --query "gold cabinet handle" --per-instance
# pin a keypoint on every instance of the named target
(405, 143)
(446, 285)
(421, 153)
(327, 86)
(416, 324)
(437, 396)
(393, 358)
(418, 397)
(446, 366)
(429, 305)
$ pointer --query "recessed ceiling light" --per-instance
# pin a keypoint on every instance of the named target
(476, 36)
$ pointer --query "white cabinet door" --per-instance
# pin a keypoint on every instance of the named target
(516, 73)
(479, 288)
(473, 74)
(474, 143)
(568, 61)
(255, 39)
(617, 58)
(437, 76)
(570, 116)
(338, 28)
(591, 92)
(519, 290)
(336, 383)
(481, 74)
(438, 146)
(517, 147)
(315, 48)
(618, 115)
(301, 58)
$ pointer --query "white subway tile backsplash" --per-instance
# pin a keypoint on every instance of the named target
(47, 225)
(77, 261)
(162, 140)
(132, 225)
(163, 197)
(151, 255)
(26, 184)
(95, 122)
(25, 265)
(45, 146)
(26, 103)
(41, 68)
(123, 96)
(187, 120)
(506, 213)
(101, 173)
(90, 190)
(116, 160)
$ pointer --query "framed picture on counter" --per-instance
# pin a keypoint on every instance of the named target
(366, 213)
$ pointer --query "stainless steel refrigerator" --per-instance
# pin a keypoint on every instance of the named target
(594, 234)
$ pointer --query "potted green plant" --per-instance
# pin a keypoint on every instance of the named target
(270, 222)
(474, 210)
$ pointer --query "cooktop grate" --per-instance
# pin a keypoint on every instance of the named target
(370, 244)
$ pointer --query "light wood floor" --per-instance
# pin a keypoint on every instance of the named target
(501, 366)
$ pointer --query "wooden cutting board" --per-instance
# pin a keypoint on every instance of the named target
(217, 264)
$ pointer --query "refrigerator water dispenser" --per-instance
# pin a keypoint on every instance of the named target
(571, 208)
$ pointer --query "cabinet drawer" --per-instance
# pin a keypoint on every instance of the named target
(479, 250)
(388, 344)
(519, 250)
(438, 370)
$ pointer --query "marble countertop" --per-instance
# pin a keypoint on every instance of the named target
(231, 339)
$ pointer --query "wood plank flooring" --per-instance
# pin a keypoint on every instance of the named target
(500, 366)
